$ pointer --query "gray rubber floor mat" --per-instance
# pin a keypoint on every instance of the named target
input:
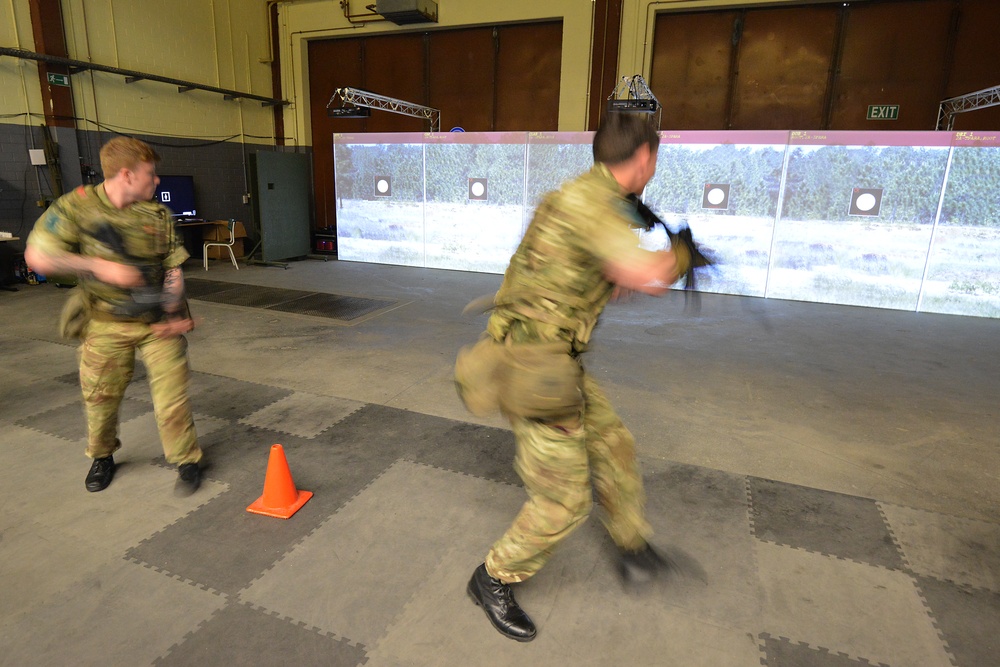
(316, 304)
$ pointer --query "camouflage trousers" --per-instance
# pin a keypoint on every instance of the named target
(107, 361)
(562, 465)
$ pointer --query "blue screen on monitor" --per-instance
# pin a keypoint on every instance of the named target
(177, 194)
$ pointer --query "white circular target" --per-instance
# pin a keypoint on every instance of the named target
(478, 189)
(716, 196)
(382, 185)
(866, 201)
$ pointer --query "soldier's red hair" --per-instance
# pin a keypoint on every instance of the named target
(125, 153)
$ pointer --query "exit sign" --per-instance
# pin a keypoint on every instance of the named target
(883, 112)
(58, 79)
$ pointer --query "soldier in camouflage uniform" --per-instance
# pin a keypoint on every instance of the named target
(580, 247)
(125, 251)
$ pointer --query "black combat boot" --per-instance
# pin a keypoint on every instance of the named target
(497, 600)
(188, 479)
(102, 471)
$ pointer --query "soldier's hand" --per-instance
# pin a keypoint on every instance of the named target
(113, 273)
(172, 327)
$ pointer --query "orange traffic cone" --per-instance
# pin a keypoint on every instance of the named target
(281, 499)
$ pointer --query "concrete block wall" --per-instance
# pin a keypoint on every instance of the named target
(19, 190)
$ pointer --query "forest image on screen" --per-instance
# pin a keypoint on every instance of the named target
(874, 219)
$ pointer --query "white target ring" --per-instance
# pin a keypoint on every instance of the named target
(866, 201)
(716, 196)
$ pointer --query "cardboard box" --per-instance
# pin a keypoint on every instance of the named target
(219, 231)
(220, 252)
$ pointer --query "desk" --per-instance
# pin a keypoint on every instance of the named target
(3, 286)
(192, 241)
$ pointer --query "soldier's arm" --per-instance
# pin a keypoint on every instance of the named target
(179, 320)
(653, 274)
(173, 289)
(608, 233)
(53, 248)
(67, 263)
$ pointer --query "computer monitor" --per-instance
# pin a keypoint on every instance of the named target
(177, 194)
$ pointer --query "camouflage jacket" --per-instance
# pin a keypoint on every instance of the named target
(85, 222)
(555, 287)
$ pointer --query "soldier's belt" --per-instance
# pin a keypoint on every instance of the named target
(104, 316)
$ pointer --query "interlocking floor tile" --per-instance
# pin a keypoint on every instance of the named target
(223, 546)
(951, 548)
(454, 445)
(241, 635)
(864, 612)
(139, 488)
(355, 573)
(33, 566)
(41, 359)
(303, 414)
(968, 620)
(822, 521)
(68, 421)
(19, 401)
(141, 437)
(230, 399)
(700, 521)
(781, 652)
(105, 617)
(65, 467)
(583, 616)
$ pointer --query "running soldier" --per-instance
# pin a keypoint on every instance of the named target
(580, 248)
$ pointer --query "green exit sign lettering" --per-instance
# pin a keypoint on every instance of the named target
(58, 79)
(883, 112)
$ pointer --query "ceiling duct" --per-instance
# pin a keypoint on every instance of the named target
(405, 12)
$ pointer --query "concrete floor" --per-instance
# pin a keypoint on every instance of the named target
(825, 478)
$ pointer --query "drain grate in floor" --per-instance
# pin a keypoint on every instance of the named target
(251, 296)
(300, 302)
(197, 289)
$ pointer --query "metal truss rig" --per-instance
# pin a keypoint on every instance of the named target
(988, 97)
(366, 99)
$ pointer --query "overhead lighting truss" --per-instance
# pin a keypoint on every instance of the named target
(354, 103)
(988, 97)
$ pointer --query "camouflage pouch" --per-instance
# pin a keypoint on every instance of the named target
(477, 374)
(529, 380)
(541, 381)
(74, 316)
